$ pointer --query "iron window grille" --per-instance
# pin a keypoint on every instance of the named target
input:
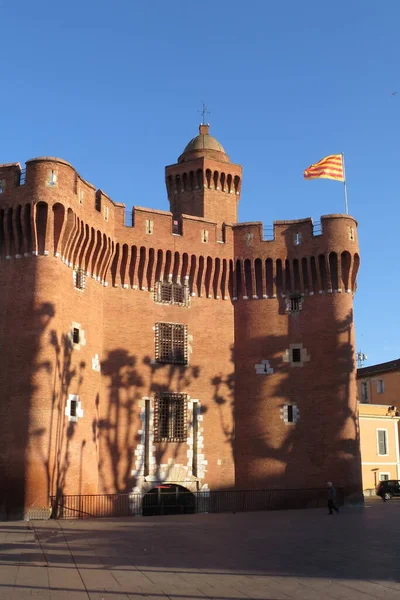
(171, 343)
(294, 303)
(80, 279)
(170, 417)
(172, 293)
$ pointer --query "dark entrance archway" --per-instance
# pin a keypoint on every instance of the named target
(169, 499)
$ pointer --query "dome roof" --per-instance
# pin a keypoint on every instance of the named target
(203, 144)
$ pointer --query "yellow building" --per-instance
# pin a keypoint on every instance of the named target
(380, 384)
(379, 441)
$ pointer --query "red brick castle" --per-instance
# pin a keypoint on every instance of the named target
(185, 348)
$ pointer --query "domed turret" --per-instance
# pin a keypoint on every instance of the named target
(204, 183)
(203, 144)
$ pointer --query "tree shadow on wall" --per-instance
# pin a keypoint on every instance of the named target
(328, 451)
(117, 426)
(54, 444)
(224, 396)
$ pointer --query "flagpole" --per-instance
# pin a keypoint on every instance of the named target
(346, 205)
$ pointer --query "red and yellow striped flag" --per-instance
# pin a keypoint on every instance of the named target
(330, 167)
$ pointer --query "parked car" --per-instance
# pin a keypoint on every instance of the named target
(387, 489)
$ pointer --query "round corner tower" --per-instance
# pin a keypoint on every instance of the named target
(296, 415)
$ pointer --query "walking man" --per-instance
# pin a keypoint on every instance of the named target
(331, 499)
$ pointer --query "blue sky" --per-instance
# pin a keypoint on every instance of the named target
(115, 88)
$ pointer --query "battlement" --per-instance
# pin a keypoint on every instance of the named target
(58, 213)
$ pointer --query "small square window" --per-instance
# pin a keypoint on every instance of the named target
(383, 476)
(294, 303)
(75, 335)
(73, 407)
(296, 355)
(380, 386)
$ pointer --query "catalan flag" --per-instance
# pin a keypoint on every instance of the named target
(330, 167)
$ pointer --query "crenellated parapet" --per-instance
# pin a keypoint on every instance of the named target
(53, 211)
(296, 257)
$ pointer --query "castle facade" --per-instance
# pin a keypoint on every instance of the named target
(183, 347)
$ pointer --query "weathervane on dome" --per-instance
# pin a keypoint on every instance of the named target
(203, 113)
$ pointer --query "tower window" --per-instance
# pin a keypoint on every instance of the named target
(75, 335)
(294, 303)
(73, 407)
(290, 413)
(2, 186)
(171, 343)
(52, 178)
(171, 293)
(297, 239)
(296, 355)
(149, 226)
(170, 417)
(79, 279)
(97, 202)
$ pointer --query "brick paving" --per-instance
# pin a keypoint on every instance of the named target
(301, 555)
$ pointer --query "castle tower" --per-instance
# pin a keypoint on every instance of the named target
(295, 375)
(204, 183)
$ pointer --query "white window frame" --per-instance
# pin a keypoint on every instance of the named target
(79, 410)
(383, 473)
(387, 441)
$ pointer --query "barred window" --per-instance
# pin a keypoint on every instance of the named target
(172, 293)
(170, 417)
(79, 279)
(294, 303)
(171, 343)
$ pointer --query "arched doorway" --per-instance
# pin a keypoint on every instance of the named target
(168, 499)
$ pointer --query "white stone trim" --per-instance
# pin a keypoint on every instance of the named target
(79, 410)
(284, 413)
(288, 355)
(96, 363)
(264, 368)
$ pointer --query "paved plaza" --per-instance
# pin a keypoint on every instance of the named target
(304, 555)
